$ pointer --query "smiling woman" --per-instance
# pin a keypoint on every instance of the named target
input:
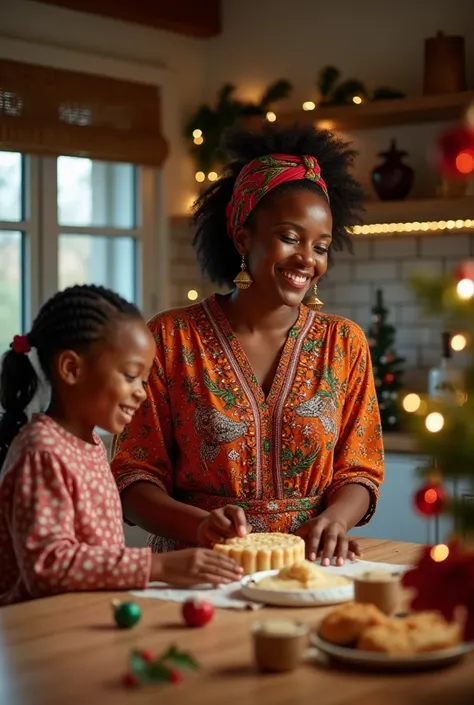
(261, 412)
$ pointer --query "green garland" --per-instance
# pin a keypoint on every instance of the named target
(204, 129)
(333, 92)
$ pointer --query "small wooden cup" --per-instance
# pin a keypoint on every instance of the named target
(279, 645)
(381, 588)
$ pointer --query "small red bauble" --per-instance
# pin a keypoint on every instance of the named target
(389, 378)
(455, 152)
(430, 500)
(147, 656)
(197, 613)
(130, 680)
(175, 676)
(466, 270)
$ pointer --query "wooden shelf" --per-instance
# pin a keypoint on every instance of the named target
(409, 211)
(382, 113)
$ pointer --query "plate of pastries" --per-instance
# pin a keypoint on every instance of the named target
(360, 634)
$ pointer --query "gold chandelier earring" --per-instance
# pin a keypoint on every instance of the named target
(314, 302)
(243, 280)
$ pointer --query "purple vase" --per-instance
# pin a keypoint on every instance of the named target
(392, 179)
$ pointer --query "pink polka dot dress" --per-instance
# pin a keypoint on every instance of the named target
(61, 526)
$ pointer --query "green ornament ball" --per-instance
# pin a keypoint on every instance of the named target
(126, 614)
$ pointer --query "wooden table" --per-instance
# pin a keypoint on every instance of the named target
(65, 651)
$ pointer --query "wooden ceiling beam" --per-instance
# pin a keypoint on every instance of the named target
(194, 18)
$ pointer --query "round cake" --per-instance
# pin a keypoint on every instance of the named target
(257, 552)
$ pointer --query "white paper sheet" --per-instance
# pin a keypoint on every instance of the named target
(229, 597)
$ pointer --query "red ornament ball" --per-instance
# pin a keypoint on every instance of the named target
(455, 152)
(389, 378)
(130, 680)
(175, 676)
(466, 270)
(147, 656)
(430, 500)
(197, 613)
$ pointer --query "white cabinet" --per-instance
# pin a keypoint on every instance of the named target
(395, 518)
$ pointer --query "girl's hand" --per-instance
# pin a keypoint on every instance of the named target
(192, 566)
(328, 538)
(224, 523)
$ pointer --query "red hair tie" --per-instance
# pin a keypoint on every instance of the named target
(21, 344)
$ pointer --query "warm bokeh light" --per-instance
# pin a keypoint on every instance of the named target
(271, 117)
(200, 176)
(325, 124)
(439, 553)
(198, 140)
(465, 289)
(465, 162)
(411, 403)
(434, 422)
(357, 99)
(416, 226)
(197, 133)
(309, 105)
(458, 342)
(212, 176)
(193, 295)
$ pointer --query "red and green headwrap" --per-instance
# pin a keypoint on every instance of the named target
(261, 175)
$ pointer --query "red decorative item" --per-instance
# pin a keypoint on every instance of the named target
(175, 677)
(147, 656)
(197, 613)
(455, 153)
(21, 344)
(130, 680)
(466, 270)
(430, 500)
(444, 581)
(389, 378)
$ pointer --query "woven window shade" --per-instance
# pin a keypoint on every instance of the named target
(50, 111)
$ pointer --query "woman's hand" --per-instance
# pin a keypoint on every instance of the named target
(224, 523)
(192, 566)
(328, 538)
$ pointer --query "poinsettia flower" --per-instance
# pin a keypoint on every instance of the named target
(444, 585)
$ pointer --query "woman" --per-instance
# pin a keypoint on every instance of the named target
(261, 413)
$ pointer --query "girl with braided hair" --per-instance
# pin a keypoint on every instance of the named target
(61, 526)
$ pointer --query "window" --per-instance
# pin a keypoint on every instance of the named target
(11, 247)
(102, 197)
(72, 221)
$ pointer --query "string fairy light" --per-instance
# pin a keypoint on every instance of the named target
(412, 227)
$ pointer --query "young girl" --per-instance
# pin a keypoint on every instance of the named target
(61, 524)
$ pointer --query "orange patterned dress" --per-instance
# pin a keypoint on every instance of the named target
(208, 436)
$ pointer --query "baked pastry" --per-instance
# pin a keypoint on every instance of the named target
(345, 624)
(256, 552)
(429, 631)
(386, 638)
(302, 576)
(367, 628)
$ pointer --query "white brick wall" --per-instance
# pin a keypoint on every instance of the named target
(388, 263)
(349, 287)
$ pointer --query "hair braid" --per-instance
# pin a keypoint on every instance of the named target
(72, 319)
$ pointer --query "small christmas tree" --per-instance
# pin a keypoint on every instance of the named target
(444, 428)
(388, 367)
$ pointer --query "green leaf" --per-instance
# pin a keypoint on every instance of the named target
(277, 91)
(137, 665)
(158, 672)
(180, 659)
(327, 80)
